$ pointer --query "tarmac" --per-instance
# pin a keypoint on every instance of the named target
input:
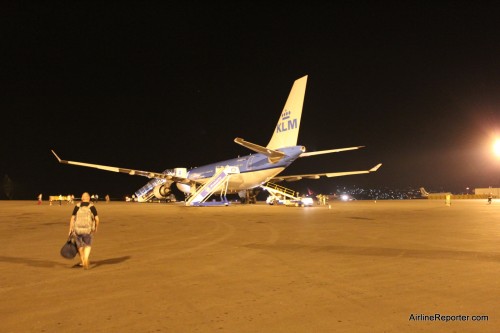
(359, 266)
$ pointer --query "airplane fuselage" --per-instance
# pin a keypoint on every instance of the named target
(255, 169)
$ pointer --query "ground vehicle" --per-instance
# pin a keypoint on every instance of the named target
(299, 202)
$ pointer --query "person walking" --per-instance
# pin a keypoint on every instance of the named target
(83, 224)
(40, 199)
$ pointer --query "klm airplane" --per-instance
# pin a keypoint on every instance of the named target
(242, 174)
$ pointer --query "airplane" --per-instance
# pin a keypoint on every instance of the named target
(426, 194)
(246, 173)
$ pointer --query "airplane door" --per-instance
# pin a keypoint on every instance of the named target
(250, 163)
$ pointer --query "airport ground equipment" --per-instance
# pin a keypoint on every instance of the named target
(146, 193)
(218, 182)
(281, 195)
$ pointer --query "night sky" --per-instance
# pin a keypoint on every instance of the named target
(152, 85)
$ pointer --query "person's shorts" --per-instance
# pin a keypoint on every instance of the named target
(83, 240)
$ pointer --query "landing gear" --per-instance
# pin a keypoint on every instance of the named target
(249, 196)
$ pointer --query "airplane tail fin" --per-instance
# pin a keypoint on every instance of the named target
(287, 130)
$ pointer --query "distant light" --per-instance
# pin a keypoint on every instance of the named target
(344, 197)
(496, 147)
(307, 201)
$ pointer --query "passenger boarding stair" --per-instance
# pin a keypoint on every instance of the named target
(146, 193)
(218, 182)
(146, 197)
(280, 192)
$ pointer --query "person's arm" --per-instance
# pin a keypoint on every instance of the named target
(96, 219)
(72, 220)
(71, 224)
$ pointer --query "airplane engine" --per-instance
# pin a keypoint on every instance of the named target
(162, 191)
(184, 187)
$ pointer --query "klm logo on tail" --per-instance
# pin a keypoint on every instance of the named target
(286, 123)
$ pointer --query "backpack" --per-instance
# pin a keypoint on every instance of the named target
(84, 220)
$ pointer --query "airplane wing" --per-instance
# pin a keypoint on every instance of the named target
(292, 178)
(319, 152)
(132, 172)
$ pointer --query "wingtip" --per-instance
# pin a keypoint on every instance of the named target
(375, 168)
(53, 152)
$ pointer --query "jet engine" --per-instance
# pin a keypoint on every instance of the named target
(184, 187)
(162, 191)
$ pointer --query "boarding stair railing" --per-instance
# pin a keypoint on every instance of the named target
(281, 192)
(218, 182)
(146, 196)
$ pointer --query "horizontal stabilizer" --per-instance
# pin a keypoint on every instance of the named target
(273, 155)
(312, 153)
